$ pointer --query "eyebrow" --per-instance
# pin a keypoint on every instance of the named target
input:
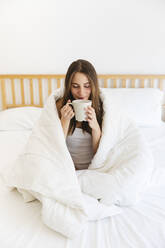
(84, 83)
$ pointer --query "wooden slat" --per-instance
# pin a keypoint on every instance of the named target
(31, 91)
(123, 83)
(114, 83)
(22, 91)
(58, 83)
(23, 105)
(4, 105)
(132, 83)
(152, 82)
(34, 76)
(49, 86)
(105, 83)
(132, 76)
(161, 84)
(142, 83)
(13, 91)
(62, 76)
(40, 91)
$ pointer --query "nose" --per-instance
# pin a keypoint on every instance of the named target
(81, 91)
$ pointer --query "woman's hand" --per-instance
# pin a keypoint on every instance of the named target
(66, 112)
(66, 115)
(91, 118)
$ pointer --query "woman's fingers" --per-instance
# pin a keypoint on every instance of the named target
(66, 106)
(67, 111)
(90, 112)
(89, 109)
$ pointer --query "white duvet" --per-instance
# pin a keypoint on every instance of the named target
(117, 176)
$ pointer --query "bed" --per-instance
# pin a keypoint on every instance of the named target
(142, 225)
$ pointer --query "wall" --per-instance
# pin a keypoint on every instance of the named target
(45, 36)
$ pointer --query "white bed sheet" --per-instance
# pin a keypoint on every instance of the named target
(142, 226)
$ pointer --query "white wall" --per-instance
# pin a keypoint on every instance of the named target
(117, 36)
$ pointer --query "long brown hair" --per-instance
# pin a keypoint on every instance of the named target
(87, 68)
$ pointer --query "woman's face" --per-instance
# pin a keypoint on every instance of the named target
(80, 86)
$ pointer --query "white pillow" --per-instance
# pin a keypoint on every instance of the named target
(143, 105)
(20, 118)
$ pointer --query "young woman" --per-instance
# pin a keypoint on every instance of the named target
(82, 138)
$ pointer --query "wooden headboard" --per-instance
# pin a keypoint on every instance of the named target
(32, 90)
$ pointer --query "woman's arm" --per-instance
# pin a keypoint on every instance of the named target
(96, 131)
(65, 126)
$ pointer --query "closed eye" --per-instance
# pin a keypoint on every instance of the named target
(77, 86)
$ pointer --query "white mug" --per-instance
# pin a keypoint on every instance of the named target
(79, 108)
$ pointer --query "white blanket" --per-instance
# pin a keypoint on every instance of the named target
(118, 174)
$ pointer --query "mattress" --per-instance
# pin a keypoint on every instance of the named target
(141, 226)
